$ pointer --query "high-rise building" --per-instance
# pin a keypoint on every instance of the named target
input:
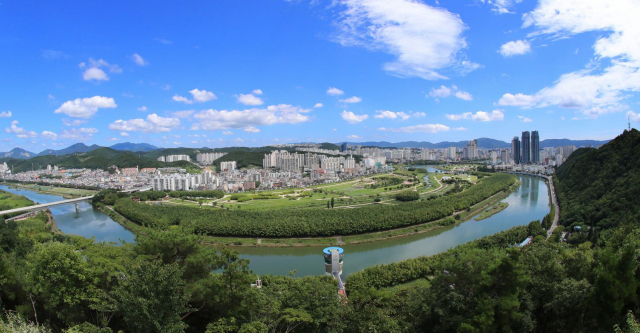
(504, 156)
(343, 148)
(535, 147)
(515, 143)
(471, 151)
(526, 147)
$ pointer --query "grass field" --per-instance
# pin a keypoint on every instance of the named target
(63, 191)
(11, 201)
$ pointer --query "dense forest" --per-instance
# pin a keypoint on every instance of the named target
(312, 221)
(164, 282)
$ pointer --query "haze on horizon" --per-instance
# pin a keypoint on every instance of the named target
(231, 73)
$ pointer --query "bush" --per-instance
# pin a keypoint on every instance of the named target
(407, 196)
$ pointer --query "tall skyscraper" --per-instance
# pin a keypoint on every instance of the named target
(472, 150)
(535, 147)
(343, 148)
(515, 143)
(526, 147)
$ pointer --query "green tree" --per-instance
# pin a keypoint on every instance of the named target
(332, 202)
(152, 298)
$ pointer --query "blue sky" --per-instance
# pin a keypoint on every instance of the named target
(253, 73)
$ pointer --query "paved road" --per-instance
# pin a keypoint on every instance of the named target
(554, 200)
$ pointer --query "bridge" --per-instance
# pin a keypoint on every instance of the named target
(63, 202)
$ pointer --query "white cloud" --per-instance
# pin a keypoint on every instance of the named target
(391, 115)
(163, 41)
(444, 92)
(478, 116)
(354, 99)
(52, 54)
(525, 119)
(440, 92)
(202, 95)
(607, 80)
(227, 133)
(502, 6)
(257, 92)
(517, 100)
(249, 99)
(318, 105)
(75, 122)
(166, 87)
(334, 91)
(517, 47)
(81, 134)
(153, 124)
(19, 131)
(198, 96)
(424, 39)
(460, 129)
(139, 60)
(124, 134)
(418, 114)
(183, 114)
(634, 116)
(86, 107)
(142, 108)
(463, 95)
(95, 72)
(49, 135)
(5, 114)
(353, 118)
(273, 114)
(353, 137)
(112, 139)
(251, 129)
(425, 128)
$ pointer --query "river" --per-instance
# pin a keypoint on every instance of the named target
(87, 221)
(529, 202)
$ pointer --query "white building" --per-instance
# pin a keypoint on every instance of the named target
(228, 166)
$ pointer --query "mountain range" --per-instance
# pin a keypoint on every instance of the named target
(482, 143)
(20, 153)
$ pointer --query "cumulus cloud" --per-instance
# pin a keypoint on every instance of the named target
(86, 107)
(353, 118)
(249, 99)
(478, 116)
(49, 135)
(606, 81)
(142, 108)
(227, 133)
(425, 128)
(354, 99)
(153, 124)
(198, 96)
(78, 134)
(517, 47)
(460, 129)
(634, 116)
(19, 131)
(425, 40)
(124, 134)
(391, 115)
(271, 115)
(444, 92)
(139, 60)
(251, 129)
(353, 136)
(502, 6)
(5, 114)
(318, 105)
(94, 70)
(418, 114)
(257, 92)
(334, 91)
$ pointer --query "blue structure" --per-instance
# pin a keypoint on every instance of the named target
(343, 148)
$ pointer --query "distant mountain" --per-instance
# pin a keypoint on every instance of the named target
(77, 148)
(18, 153)
(482, 143)
(130, 146)
(567, 142)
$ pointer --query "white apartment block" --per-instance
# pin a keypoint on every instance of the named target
(228, 166)
(174, 158)
(208, 158)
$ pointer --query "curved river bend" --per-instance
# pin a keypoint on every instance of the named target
(528, 203)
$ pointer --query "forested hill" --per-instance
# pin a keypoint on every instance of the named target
(601, 187)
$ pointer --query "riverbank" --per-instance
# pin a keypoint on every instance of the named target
(67, 193)
(452, 220)
(492, 211)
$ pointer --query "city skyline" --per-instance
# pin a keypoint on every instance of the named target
(296, 71)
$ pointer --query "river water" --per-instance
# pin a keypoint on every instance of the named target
(87, 221)
(528, 203)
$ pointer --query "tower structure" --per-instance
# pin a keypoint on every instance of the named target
(535, 147)
(515, 143)
(526, 148)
